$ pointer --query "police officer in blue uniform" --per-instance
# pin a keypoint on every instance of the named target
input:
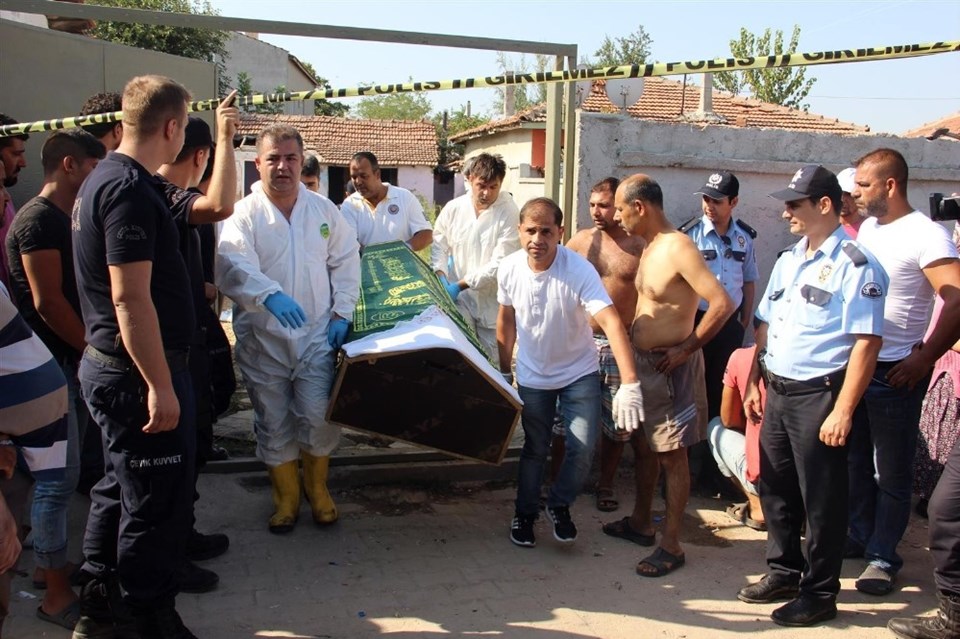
(819, 335)
(726, 244)
(727, 247)
(140, 321)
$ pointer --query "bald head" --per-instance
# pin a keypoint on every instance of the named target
(644, 188)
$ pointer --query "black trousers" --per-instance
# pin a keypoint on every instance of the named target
(141, 509)
(800, 474)
(716, 354)
(944, 512)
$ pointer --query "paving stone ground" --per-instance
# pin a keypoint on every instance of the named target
(412, 561)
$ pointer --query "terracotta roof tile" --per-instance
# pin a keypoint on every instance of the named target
(665, 100)
(949, 122)
(335, 140)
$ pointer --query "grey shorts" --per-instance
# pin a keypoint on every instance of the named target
(675, 405)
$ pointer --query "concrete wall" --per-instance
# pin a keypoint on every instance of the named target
(268, 67)
(47, 74)
(681, 157)
(515, 146)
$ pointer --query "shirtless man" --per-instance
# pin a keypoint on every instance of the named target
(616, 256)
(671, 280)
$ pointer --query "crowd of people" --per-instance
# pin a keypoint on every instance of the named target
(826, 400)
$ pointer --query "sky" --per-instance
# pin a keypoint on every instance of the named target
(888, 96)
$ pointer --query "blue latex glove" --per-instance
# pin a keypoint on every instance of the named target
(453, 288)
(337, 332)
(286, 310)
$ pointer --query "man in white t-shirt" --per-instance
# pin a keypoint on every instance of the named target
(921, 262)
(545, 293)
(477, 229)
(381, 212)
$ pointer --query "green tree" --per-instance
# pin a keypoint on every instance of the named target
(322, 106)
(395, 106)
(524, 95)
(457, 121)
(244, 88)
(785, 85)
(630, 49)
(200, 44)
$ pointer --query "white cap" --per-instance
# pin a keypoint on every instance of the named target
(845, 178)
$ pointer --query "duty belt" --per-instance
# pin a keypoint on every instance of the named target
(787, 387)
(176, 360)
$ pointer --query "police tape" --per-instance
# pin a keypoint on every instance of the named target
(650, 70)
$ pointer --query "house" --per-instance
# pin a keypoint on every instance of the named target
(406, 150)
(268, 67)
(672, 138)
(521, 138)
(947, 127)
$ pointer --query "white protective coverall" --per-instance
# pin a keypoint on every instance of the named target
(314, 258)
(477, 244)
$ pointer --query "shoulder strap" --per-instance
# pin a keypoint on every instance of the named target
(749, 230)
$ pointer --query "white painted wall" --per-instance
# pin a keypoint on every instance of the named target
(681, 157)
(418, 179)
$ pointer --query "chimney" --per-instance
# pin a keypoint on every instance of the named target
(509, 100)
(468, 108)
(706, 96)
(705, 112)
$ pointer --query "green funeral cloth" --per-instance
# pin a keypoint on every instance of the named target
(395, 286)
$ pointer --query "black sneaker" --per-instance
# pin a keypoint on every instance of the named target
(770, 588)
(563, 528)
(521, 531)
(193, 578)
(201, 547)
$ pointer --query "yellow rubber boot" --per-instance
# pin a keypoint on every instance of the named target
(285, 479)
(315, 471)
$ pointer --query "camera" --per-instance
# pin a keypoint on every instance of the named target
(944, 208)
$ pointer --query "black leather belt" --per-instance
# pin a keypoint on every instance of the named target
(785, 386)
(176, 360)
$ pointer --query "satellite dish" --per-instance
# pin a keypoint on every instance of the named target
(624, 93)
(583, 88)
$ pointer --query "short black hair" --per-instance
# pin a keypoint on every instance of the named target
(369, 157)
(311, 166)
(101, 103)
(75, 143)
(4, 121)
(488, 167)
(606, 184)
(546, 203)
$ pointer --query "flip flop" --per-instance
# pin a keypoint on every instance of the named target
(606, 503)
(741, 513)
(621, 529)
(662, 562)
(66, 618)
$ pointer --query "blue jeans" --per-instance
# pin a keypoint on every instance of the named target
(48, 515)
(729, 448)
(882, 446)
(580, 410)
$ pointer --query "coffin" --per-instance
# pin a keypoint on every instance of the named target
(413, 370)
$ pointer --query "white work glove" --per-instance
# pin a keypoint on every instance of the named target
(628, 407)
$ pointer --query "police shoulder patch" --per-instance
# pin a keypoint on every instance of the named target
(855, 254)
(688, 226)
(749, 230)
(871, 289)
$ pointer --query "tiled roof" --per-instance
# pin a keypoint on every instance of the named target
(949, 122)
(665, 100)
(335, 140)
